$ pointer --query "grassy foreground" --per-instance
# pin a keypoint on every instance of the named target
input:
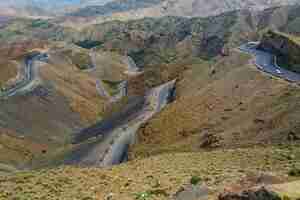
(160, 176)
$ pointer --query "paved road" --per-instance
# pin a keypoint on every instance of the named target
(132, 68)
(112, 147)
(158, 98)
(28, 75)
(266, 62)
(101, 90)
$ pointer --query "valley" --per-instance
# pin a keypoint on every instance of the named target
(150, 100)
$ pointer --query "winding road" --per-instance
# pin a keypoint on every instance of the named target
(266, 62)
(156, 100)
(28, 75)
(132, 68)
(112, 147)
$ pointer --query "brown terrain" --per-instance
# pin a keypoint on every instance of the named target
(64, 101)
(231, 104)
(231, 127)
(8, 70)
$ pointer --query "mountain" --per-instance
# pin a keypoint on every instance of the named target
(194, 103)
(164, 48)
(47, 4)
(44, 7)
(96, 11)
(133, 9)
(158, 45)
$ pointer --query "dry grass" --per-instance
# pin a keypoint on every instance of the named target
(8, 70)
(293, 38)
(165, 173)
(78, 87)
(16, 150)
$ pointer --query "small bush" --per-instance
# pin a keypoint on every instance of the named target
(195, 180)
(88, 44)
(143, 195)
(295, 171)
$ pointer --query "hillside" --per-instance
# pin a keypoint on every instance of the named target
(63, 100)
(161, 177)
(165, 48)
(233, 105)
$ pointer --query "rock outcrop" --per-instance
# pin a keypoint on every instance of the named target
(253, 194)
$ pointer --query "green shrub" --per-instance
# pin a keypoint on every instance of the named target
(195, 180)
(143, 195)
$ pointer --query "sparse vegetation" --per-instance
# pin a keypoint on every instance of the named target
(173, 170)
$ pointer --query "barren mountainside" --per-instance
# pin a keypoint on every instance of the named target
(132, 9)
(179, 7)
